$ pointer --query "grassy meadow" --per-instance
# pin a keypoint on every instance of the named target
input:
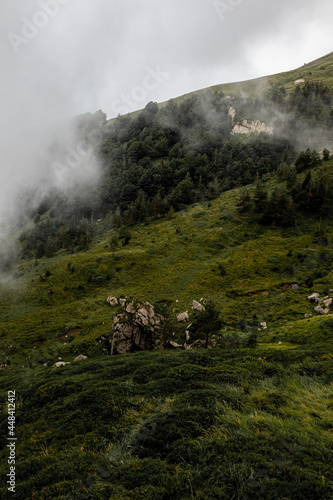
(227, 422)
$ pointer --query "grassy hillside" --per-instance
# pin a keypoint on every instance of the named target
(208, 250)
(221, 423)
(229, 422)
(319, 70)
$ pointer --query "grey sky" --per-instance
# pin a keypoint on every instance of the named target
(65, 57)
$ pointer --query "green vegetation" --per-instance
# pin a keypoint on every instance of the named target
(204, 424)
(245, 224)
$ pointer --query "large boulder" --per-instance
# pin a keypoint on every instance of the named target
(136, 329)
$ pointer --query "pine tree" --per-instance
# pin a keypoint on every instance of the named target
(260, 197)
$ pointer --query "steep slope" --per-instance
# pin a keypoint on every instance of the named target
(318, 70)
(253, 232)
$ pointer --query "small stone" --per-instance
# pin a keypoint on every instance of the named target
(196, 306)
(327, 302)
(315, 297)
(321, 310)
(113, 301)
(183, 317)
(81, 357)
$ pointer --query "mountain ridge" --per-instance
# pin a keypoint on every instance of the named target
(183, 211)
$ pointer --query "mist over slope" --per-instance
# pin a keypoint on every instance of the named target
(215, 201)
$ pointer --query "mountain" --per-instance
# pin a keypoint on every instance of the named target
(319, 70)
(183, 209)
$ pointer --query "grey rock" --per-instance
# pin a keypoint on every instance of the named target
(136, 328)
(315, 297)
(81, 357)
(327, 302)
(319, 309)
(183, 317)
(113, 301)
(196, 306)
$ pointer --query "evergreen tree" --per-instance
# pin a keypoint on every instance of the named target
(260, 197)
(207, 322)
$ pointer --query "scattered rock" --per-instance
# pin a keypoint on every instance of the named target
(328, 302)
(323, 304)
(263, 325)
(113, 301)
(307, 315)
(319, 309)
(295, 286)
(183, 317)
(61, 363)
(196, 306)
(187, 333)
(81, 357)
(315, 297)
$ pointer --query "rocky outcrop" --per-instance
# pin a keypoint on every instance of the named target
(247, 126)
(135, 329)
(323, 304)
(250, 127)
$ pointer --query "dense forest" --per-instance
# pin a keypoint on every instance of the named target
(165, 157)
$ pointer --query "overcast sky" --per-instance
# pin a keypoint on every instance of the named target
(65, 57)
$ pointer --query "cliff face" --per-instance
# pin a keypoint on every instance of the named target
(248, 126)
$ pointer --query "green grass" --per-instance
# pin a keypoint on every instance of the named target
(205, 424)
(318, 70)
(175, 260)
(201, 424)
